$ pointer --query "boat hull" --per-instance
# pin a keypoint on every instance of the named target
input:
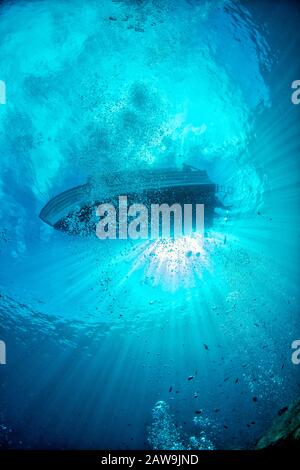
(74, 211)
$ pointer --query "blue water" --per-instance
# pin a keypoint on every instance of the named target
(134, 345)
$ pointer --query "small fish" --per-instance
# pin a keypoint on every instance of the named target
(217, 410)
(282, 410)
(170, 389)
(190, 377)
(198, 412)
(237, 381)
(206, 347)
(254, 399)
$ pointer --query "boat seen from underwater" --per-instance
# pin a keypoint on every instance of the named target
(74, 211)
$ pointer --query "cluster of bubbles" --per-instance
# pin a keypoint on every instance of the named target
(164, 434)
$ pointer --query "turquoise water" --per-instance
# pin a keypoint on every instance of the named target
(133, 345)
